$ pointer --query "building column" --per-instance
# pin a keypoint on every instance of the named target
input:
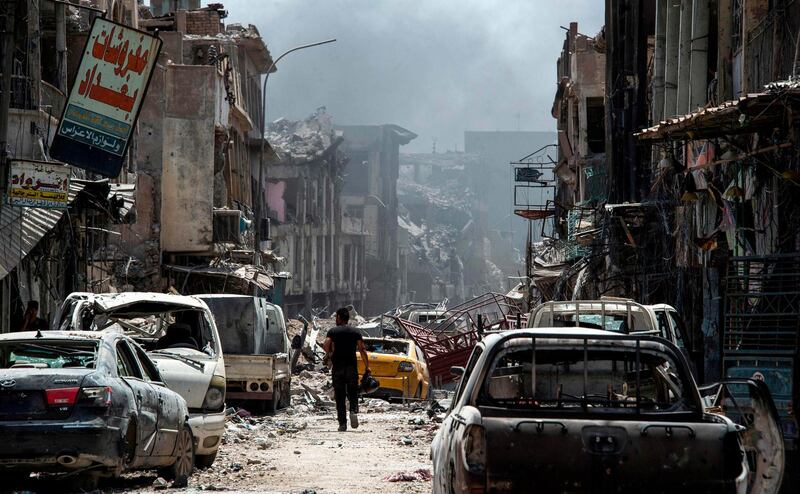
(671, 48)
(659, 57)
(684, 57)
(698, 95)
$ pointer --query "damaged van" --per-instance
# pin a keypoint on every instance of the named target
(179, 335)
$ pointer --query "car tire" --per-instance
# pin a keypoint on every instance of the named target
(205, 461)
(418, 394)
(87, 481)
(180, 471)
(286, 394)
(276, 397)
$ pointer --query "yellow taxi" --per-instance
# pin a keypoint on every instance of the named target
(398, 365)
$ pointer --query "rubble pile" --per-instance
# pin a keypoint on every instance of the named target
(303, 140)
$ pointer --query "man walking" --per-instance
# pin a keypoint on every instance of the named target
(340, 349)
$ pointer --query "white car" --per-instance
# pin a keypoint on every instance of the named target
(180, 336)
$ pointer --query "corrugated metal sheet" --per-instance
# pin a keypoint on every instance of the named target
(22, 228)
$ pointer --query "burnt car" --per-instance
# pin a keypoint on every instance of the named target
(90, 404)
(582, 410)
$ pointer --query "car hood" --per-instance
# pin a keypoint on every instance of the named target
(187, 372)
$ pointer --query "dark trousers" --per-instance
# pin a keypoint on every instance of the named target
(345, 386)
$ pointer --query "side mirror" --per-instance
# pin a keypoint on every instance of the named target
(457, 371)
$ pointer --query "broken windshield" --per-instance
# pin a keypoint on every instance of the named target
(188, 329)
(584, 378)
(386, 346)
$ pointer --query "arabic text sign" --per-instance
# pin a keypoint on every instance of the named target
(38, 184)
(106, 97)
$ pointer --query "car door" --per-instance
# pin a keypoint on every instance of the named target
(748, 403)
(451, 426)
(146, 401)
(168, 419)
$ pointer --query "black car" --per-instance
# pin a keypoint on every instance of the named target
(87, 403)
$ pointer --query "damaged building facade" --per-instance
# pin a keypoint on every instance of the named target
(325, 249)
(47, 253)
(698, 206)
(369, 201)
(197, 159)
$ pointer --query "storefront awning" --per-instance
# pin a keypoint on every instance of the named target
(21, 228)
(750, 113)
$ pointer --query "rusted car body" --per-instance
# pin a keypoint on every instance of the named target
(87, 403)
(580, 410)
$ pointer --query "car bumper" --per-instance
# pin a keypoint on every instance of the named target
(60, 445)
(393, 387)
(207, 430)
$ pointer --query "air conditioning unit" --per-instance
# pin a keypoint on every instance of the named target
(227, 226)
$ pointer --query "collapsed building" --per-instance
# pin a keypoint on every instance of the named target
(448, 244)
(369, 200)
(325, 249)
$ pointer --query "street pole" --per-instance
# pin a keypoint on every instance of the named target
(259, 203)
(6, 60)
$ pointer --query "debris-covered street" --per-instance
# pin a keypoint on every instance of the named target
(300, 451)
(406, 246)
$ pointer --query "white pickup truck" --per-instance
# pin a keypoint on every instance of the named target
(622, 316)
(256, 347)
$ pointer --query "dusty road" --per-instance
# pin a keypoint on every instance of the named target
(300, 451)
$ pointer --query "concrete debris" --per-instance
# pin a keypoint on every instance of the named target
(160, 483)
(305, 140)
(423, 474)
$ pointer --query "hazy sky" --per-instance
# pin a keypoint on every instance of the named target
(435, 67)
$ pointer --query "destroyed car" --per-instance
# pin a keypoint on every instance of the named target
(622, 316)
(582, 410)
(256, 348)
(180, 336)
(399, 367)
(89, 404)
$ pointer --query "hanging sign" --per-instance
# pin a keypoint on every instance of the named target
(106, 97)
(38, 184)
(527, 175)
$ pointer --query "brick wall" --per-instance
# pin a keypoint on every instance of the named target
(203, 22)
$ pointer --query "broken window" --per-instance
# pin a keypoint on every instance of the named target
(595, 125)
(583, 378)
(357, 175)
(48, 354)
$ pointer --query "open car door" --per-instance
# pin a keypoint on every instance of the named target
(749, 404)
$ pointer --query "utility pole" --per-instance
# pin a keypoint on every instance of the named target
(6, 58)
(61, 46)
(34, 53)
(259, 202)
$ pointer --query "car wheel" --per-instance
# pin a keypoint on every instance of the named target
(180, 471)
(286, 394)
(418, 394)
(273, 404)
(87, 481)
(205, 461)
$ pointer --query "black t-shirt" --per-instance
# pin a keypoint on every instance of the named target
(345, 341)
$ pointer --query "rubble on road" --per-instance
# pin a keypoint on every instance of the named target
(422, 474)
